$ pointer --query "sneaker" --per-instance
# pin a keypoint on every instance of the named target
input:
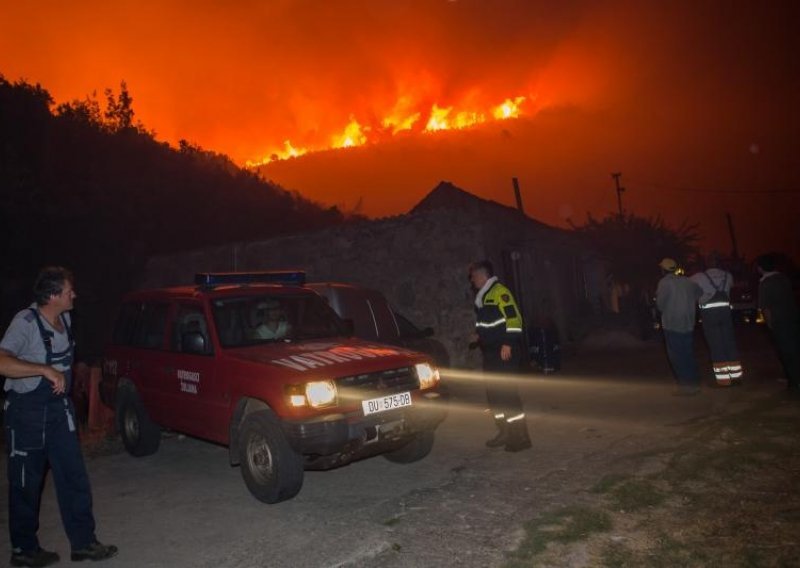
(37, 558)
(94, 551)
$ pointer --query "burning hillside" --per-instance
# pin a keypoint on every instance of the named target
(406, 116)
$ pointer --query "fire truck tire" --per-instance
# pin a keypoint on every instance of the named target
(140, 435)
(271, 469)
(419, 447)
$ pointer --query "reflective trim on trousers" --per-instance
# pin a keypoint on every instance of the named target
(715, 305)
(515, 418)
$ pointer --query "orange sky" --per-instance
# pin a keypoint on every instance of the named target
(679, 94)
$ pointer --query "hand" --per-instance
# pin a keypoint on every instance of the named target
(505, 352)
(57, 378)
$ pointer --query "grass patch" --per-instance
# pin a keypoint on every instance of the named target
(608, 482)
(723, 498)
(617, 555)
(564, 526)
(391, 522)
(670, 552)
(636, 494)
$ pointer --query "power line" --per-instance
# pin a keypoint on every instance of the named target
(665, 187)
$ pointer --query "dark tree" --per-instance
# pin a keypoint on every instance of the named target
(633, 246)
(99, 193)
(119, 109)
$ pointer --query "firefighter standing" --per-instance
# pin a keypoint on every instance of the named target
(676, 298)
(715, 309)
(499, 333)
(36, 357)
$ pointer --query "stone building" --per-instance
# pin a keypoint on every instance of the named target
(419, 261)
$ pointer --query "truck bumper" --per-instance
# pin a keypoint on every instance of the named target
(336, 439)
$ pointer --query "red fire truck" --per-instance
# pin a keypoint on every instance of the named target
(262, 364)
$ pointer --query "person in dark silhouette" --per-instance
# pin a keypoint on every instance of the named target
(676, 297)
(779, 307)
(499, 335)
(36, 355)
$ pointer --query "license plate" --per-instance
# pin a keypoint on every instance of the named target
(384, 403)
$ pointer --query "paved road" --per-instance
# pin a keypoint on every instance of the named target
(464, 505)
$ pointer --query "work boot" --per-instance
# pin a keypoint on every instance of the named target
(501, 437)
(94, 551)
(37, 559)
(518, 438)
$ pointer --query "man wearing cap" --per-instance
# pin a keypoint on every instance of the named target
(715, 309)
(676, 298)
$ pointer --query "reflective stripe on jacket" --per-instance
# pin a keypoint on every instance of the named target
(498, 321)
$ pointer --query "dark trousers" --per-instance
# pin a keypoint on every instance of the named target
(787, 339)
(680, 351)
(718, 330)
(41, 431)
(502, 393)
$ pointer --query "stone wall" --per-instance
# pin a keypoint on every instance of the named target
(419, 261)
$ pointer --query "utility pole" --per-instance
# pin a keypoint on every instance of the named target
(517, 194)
(620, 189)
(734, 247)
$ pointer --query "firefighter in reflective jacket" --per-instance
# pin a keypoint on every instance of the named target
(499, 334)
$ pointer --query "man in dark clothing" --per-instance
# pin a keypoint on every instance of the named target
(676, 298)
(36, 357)
(499, 332)
(715, 308)
(777, 303)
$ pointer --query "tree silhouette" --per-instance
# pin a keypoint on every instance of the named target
(633, 246)
(119, 109)
(96, 191)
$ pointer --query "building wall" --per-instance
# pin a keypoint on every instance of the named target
(418, 261)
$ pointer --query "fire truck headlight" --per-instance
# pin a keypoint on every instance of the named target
(428, 375)
(321, 393)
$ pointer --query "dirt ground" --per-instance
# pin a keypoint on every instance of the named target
(621, 473)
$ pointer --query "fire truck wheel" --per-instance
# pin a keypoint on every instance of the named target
(419, 447)
(271, 469)
(140, 435)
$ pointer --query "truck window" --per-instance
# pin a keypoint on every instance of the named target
(151, 327)
(387, 326)
(190, 322)
(125, 328)
(254, 320)
(141, 325)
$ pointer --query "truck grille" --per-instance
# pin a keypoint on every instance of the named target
(392, 380)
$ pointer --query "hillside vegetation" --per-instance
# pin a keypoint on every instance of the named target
(86, 185)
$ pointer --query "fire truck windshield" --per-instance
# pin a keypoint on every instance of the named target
(258, 319)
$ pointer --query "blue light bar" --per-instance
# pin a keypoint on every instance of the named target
(286, 277)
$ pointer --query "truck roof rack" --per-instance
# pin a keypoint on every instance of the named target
(286, 277)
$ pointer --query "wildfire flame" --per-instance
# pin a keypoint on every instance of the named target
(401, 118)
(353, 135)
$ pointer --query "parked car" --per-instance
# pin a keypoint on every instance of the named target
(373, 319)
(266, 368)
